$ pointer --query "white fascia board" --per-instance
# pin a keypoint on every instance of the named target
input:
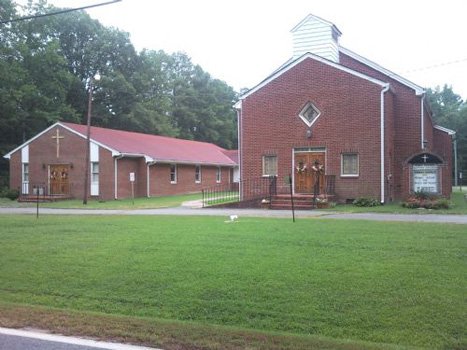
(238, 105)
(114, 151)
(418, 89)
(8, 155)
(446, 130)
(147, 158)
(302, 58)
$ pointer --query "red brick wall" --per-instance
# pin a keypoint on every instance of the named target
(160, 179)
(106, 174)
(125, 166)
(348, 123)
(407, 127)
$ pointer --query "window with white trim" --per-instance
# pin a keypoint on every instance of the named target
(25, 175)
(95, 172)
(218, 174)
(349, 164)
(309, 114)
(269, 165)
(173, 173)
(198, 174)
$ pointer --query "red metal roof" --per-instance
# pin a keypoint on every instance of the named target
(232, 154)
(159, 148)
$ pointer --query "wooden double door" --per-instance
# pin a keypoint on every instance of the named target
(309, 172)
(59, 179)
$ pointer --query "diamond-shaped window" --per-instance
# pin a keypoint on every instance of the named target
(309, 114)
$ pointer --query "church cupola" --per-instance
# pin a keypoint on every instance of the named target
(317, 36)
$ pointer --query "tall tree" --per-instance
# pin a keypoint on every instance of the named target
(449, 110)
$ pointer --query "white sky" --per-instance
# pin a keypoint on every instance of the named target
(243, 41)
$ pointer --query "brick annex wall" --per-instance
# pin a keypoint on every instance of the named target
(348, 123)
(160, 179)
(43, 152)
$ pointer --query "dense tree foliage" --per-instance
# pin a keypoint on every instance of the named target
(450, 111)
(46, 63)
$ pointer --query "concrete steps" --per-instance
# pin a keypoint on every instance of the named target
(301, 202)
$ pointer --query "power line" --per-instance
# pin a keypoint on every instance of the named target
(434, 66)
(58, 12)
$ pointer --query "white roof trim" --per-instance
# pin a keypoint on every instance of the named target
(114, 152)
(418, 89)
(446, 130)
(8, 155)
(302, 58)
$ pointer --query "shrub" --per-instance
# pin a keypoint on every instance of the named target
(10, 194)
(366, 202)
(427, 201)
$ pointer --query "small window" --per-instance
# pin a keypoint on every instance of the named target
(218, 174)
(309, 114)
(173, 173)
(25, 172)
(95, 172)
(349, 164)
(198, 174)
(269, 165)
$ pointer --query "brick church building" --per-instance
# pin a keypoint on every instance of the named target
(337, 122)
(121, 163)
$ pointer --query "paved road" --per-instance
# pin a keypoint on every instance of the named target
(436, 218)
(17, 339)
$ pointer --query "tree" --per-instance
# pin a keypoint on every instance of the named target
(450, 111)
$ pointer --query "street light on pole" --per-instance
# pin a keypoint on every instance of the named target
(96, 77)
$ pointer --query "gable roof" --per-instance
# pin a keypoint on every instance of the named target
(292, 63)
(153, 148)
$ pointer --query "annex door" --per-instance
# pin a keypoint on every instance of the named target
(309, 172)
(58, 179)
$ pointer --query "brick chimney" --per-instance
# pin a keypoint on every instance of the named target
(317, 36)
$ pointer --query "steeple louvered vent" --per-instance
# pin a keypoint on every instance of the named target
(317, 36)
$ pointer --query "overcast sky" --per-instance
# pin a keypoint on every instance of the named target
(243, 41)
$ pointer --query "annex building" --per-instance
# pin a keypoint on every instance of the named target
(121, 163)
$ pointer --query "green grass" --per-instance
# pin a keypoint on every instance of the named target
(459, 207)
(397, 283)
(137, 203)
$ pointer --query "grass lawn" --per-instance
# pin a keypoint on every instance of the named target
(137, 203)
(201, 283)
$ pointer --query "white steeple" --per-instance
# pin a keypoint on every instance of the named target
(317, 36)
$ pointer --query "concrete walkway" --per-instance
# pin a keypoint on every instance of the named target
(299, 214)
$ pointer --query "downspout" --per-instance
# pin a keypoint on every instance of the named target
(422, 122)
(116, 176)
(239, 106)
(148, 189)
(383, 91)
